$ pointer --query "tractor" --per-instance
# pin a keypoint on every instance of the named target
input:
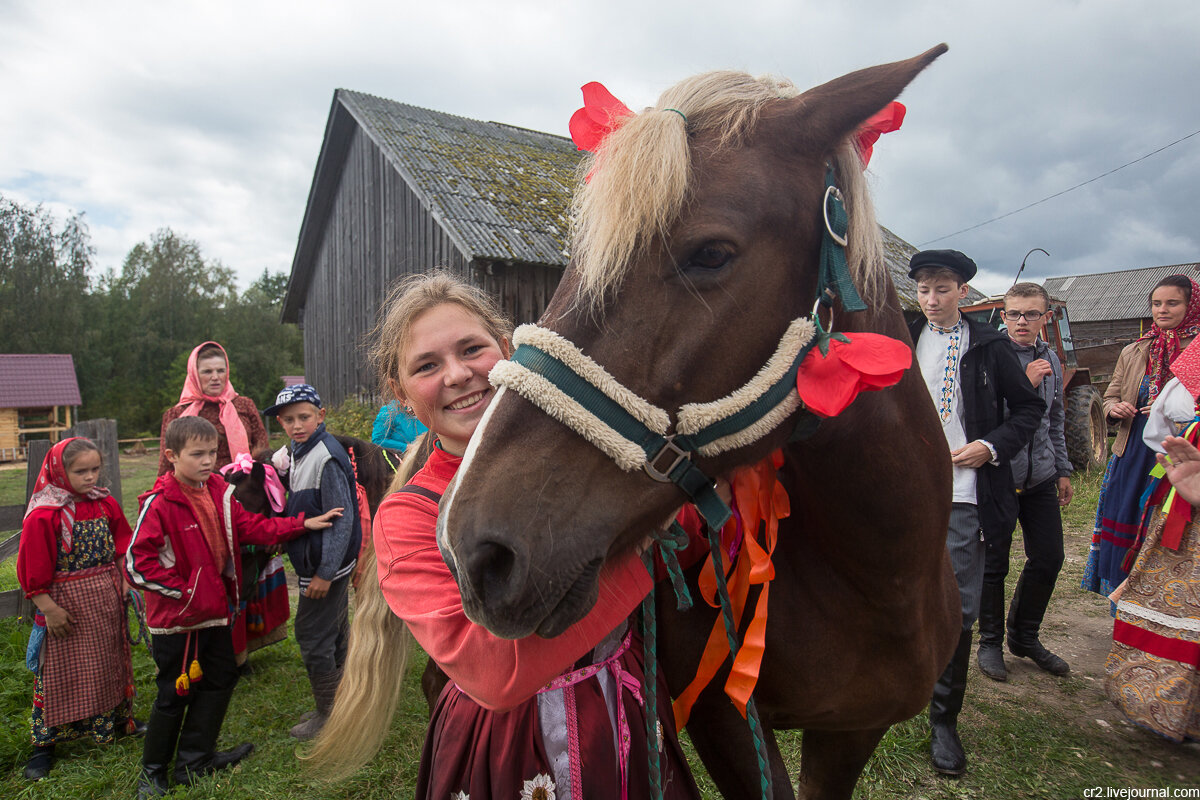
(1085, 423)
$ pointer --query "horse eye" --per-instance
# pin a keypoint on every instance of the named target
(709, 257)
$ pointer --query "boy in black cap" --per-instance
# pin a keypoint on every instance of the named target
(972, 374)
(320, 476)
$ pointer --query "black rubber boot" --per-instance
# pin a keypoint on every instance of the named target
(158, 747)
(39, 764)
(946, 748)
(324, 688)
(990, 656)
(1025, 620)
(197, 754)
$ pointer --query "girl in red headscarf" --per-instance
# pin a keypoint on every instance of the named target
(72, 536)
(208, 393)
(1142, 369)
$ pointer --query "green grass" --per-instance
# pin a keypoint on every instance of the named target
(1035, 737)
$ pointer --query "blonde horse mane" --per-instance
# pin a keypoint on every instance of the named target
(641, 176)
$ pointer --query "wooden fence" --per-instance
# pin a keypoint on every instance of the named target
(101, 431)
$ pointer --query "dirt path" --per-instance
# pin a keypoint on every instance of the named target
(1078, 628)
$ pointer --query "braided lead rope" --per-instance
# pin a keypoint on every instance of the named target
(650, 693)
(133, 601)
(756, 729)
(668, 543)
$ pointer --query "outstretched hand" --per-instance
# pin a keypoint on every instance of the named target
(1182, 463)
(323, 521)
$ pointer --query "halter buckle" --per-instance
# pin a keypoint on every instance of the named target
(669, 447)
(837, 195)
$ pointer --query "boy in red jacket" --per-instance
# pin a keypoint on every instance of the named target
(180, 556)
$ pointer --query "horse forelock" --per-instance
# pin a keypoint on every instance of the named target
(640, 178)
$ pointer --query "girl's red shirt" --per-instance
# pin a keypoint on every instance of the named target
(499, 674)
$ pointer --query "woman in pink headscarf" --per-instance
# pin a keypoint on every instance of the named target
(207, 393)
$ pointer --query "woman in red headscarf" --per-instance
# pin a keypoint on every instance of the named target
(1142, 369)
(208, 393)
(72, 536)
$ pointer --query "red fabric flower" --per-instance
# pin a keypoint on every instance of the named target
(887, 119)
(601, 115)
(828, 383)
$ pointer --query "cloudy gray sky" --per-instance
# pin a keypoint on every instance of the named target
(208, 116)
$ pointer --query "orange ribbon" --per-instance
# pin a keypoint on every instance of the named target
(760, 501)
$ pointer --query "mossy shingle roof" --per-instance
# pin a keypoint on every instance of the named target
(502, 192)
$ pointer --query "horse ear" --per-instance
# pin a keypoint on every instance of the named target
(834, 109)
(257, 472)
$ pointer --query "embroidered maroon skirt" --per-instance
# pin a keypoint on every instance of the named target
(584, 735)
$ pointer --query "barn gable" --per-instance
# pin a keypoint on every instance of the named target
(400, 189)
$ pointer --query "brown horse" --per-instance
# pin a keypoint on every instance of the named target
(696, 248)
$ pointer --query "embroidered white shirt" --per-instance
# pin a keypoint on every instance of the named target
(933, 354)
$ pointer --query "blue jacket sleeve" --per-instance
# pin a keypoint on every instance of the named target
(335, 493)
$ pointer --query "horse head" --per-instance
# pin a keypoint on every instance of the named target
(694, 271)
(250, 478)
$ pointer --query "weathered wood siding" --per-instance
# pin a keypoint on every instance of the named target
(524, 290)
(377, 232)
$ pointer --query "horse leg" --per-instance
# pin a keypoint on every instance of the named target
(722, 740)
(832, 761)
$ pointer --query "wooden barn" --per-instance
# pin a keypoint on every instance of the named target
(400, 189)
(38, 394)
(1108, 310)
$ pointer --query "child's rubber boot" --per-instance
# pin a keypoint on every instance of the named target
(197, 754)
(162, 731)
(324, 688)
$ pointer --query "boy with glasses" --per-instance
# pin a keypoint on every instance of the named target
(1042, 476)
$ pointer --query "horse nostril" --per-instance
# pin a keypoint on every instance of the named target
(489, 569)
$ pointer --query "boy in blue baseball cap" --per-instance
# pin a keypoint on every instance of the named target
(320, 477)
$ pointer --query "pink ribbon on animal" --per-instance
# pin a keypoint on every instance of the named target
(243, 463)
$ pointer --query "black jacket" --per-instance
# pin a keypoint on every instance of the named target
(992, 379)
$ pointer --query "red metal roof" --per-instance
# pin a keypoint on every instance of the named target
(38, 380)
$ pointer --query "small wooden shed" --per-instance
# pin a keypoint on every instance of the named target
(38, 394)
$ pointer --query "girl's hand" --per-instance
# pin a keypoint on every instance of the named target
(317, 588)
(323, 521)
(58, 621)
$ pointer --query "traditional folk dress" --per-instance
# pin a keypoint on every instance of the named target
(1154, 667)
(535, 717)
(69, 547)
(1120, 512)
